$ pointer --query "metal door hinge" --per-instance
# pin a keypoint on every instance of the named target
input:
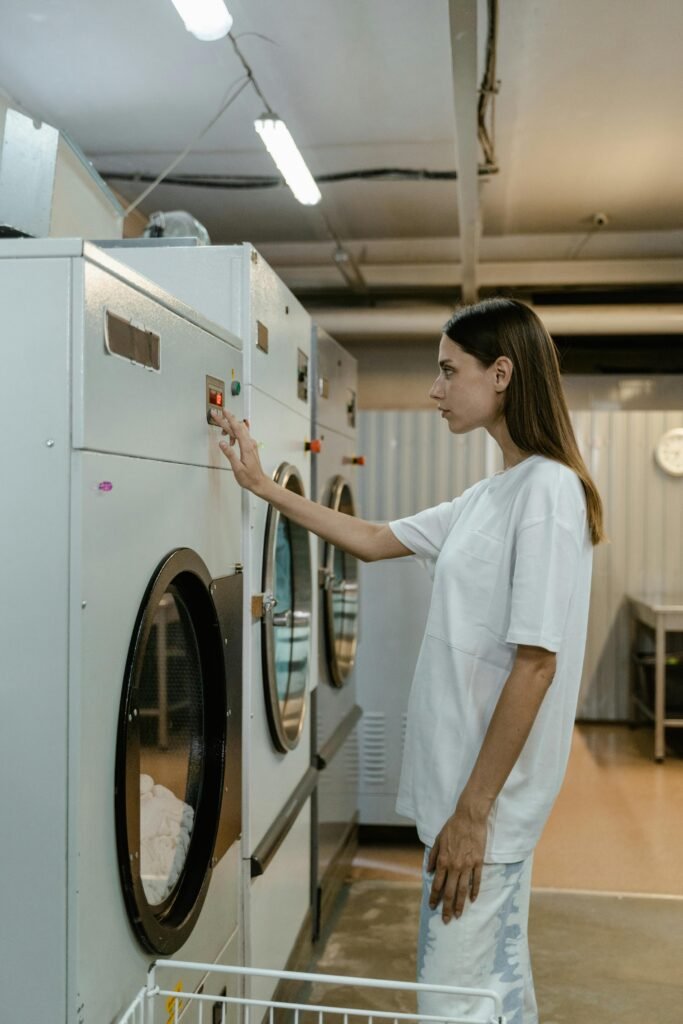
(261, 604)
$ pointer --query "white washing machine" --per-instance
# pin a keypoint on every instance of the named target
(121, 635)
(335, 710)
(235, 287)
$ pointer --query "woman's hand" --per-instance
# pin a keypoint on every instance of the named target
(246, 465)
(456, 860)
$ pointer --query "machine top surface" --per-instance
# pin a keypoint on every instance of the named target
(69, 248)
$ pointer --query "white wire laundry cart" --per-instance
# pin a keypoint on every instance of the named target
(157, 1003)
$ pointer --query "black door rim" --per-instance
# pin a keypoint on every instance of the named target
(165, 927)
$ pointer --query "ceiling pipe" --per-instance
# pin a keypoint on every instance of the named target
(463, 29)
(404, 323)
(511, 274)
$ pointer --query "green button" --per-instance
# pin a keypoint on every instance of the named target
(235, 388)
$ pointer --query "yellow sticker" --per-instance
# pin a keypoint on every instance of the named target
(171, 1003)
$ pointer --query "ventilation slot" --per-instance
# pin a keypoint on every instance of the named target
(352, 757)
(373, 767)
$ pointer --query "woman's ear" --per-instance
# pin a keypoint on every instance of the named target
(502, 373)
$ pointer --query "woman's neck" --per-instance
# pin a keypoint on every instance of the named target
(512, 455)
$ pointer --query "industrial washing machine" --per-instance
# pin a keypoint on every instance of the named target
(235, 287)
(335, 716)
(121, 636)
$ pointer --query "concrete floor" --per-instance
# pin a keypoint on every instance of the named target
(616, 827)
(606, 926)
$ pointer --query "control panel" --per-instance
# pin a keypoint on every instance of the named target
(215, 396)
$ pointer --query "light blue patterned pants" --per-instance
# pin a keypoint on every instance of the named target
(486, 947)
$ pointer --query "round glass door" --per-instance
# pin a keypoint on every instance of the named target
(170, 754)
(340, 584)
(287, 619)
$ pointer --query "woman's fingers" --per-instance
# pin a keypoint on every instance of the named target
(449, 897)
(463, 888)
(230, 454)
(236, 430)
(240, 448)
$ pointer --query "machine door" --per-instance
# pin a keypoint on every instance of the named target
(173, 747)
(286, 641)
(339, 578)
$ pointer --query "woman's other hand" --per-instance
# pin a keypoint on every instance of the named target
(456, 859)
(241, 451)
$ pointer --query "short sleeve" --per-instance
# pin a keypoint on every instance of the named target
(546, 560)
(425, 533)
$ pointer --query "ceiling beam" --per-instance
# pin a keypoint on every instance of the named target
(495, 274)
(463, 27)
(403, 323)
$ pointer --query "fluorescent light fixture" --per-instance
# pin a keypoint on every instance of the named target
(205, 19)
(288, 159)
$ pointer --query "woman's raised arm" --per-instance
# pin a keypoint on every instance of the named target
(368, 541)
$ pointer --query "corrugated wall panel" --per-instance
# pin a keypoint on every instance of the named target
(414, 462)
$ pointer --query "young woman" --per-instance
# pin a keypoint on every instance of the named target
(496, 684)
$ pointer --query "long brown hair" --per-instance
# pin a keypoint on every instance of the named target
(534, 406)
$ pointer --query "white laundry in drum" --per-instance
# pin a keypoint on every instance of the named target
(165, 829)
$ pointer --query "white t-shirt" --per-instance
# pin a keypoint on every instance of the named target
(511, 561)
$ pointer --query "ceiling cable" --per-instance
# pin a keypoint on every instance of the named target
(250, 74)
(254, 181)
(233, 92)
(343, 259)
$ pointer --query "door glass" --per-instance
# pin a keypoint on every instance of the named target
(341, 613)
(286, 632)
(345, 609)
(283, 590)
(171, 743)
(292, 629)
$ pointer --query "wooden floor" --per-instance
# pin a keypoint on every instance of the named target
(617, 825)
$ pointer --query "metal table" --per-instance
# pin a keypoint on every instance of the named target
(663, 614)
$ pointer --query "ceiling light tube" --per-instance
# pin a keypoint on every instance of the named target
(288, 159)
(205, 19)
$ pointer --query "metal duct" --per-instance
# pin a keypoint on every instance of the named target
(414, 322)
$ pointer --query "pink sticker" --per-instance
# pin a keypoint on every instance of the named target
(106, 485)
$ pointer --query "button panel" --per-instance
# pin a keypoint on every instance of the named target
(215, 396)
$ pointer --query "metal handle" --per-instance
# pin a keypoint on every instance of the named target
(278, 831)
(345, 588)
(338, 737)
(292, 618)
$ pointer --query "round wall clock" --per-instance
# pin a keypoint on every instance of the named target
(669, 452)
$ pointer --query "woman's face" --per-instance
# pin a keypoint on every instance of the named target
(468, 394)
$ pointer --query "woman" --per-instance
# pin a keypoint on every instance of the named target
(494, 695)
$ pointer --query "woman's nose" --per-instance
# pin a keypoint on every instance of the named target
(435, 390)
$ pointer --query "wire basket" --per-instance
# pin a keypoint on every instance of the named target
(159, 1004)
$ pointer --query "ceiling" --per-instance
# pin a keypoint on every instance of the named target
(587, 121)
